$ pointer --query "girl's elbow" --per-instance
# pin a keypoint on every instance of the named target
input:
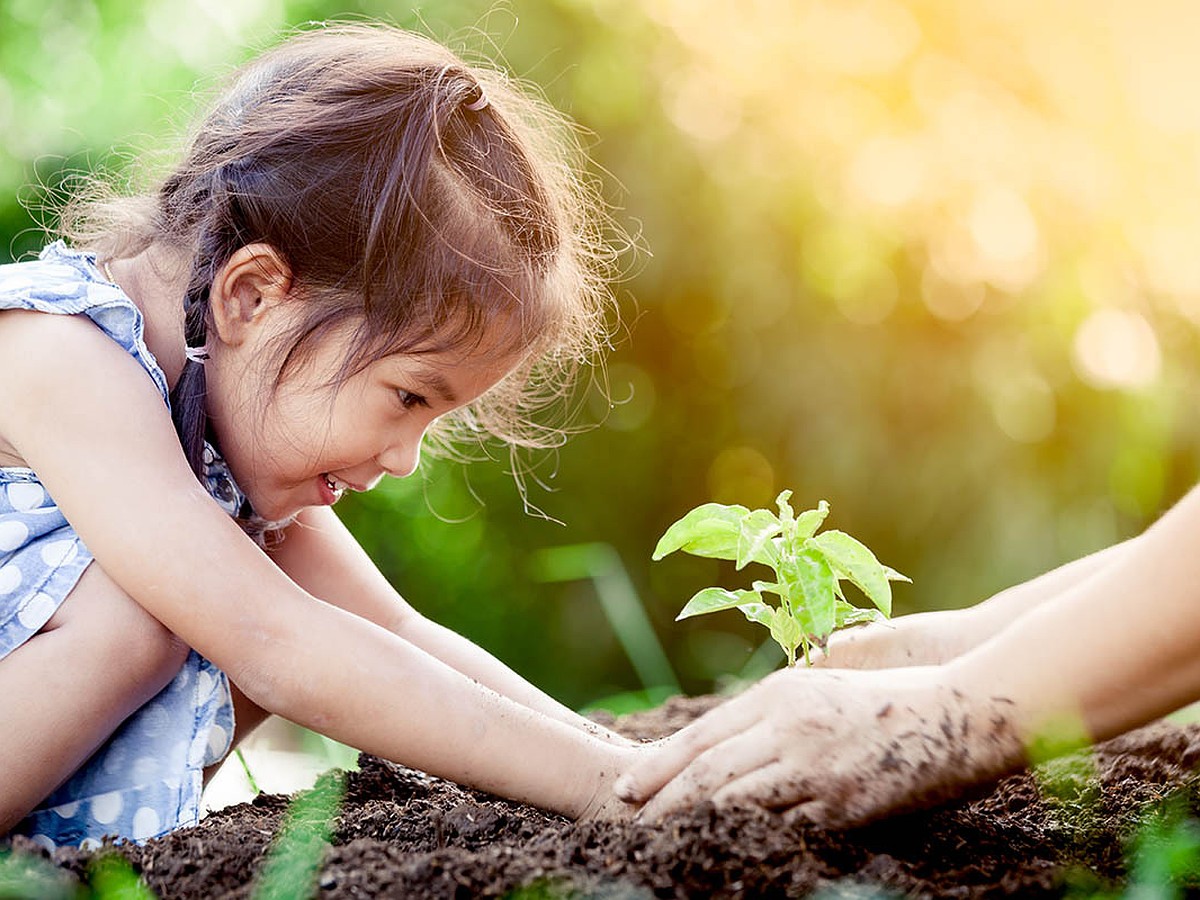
(262, 684)
(404, 620)
(265, 670)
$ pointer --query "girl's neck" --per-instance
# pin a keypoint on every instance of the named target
(156, 280)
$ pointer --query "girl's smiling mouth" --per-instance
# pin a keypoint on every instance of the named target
(333, 488)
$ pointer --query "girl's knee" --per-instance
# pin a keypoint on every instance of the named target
(119, 630)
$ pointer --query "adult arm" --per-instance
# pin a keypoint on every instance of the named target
(321, 556)
(99, 435)
(1111, 651)
(931, 638)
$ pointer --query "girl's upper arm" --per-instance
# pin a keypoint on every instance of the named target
(84, 415)
(320, 555)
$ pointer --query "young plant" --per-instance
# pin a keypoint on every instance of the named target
(809, 569)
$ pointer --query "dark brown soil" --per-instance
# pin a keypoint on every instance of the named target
(405, 834)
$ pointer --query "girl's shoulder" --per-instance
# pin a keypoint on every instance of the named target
(60, 280)
(67, 282)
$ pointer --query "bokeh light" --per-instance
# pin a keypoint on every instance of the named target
(932, 261)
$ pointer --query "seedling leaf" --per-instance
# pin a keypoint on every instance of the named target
(812, 585)
(852, 560)
(755, 532)
(714, 599)
(853, 615)
(786, 631)
(809, 521)
(758, 612)
(710, 530)
(809, 568)
(786, 513)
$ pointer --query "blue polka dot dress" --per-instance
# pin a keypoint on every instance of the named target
(147, 778)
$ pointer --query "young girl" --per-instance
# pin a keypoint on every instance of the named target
(365, 237)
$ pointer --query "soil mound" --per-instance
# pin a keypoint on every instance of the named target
(401, 833)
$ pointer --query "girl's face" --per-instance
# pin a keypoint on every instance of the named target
(306, 443)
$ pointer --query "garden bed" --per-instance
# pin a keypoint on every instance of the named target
(404, 834)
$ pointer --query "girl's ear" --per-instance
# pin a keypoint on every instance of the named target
(254, 280)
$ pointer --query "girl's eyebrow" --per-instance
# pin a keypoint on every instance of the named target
(436, 382)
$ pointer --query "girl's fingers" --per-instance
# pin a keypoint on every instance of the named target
(704, 776)
(672, 755)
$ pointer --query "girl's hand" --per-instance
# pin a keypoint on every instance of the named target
(605, 805)
(837, 748)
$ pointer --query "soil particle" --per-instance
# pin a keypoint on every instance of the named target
(404, 834)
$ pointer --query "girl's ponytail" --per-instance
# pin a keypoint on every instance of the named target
(218, 234)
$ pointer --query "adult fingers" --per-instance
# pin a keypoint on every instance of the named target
(841, 810)
(705, 775)
(811, 812)
(660, 765)
(774, 786)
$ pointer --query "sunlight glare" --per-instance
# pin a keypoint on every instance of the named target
(1117, 348)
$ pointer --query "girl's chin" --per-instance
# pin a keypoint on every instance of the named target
(277, 509)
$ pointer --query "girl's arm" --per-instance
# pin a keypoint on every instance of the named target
(100, 438)
(932, 638)
(1112, 651)
(321, 556)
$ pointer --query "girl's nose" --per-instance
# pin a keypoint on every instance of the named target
(401, 458)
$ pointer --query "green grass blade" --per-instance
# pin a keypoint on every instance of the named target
(290, 869)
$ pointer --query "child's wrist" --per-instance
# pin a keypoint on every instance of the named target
(594, 793)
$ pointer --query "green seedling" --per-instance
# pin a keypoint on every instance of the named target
(809, 569)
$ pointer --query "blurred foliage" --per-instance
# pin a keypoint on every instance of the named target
(930, 261)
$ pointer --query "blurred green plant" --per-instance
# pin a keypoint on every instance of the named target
(24, 876)
(1163, 859)
(250, 779)
(112, 877)
(290, 870)
(809, 568)
(1166, 855)
(623, 609)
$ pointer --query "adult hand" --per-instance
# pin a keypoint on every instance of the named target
(835, 747)
(921, 639)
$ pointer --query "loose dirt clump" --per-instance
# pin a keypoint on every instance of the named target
(402, 833)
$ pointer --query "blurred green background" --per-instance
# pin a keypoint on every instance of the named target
(931, 261)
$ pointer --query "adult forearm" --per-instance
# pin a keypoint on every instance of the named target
(933, 638)
(998, 611)
(1115, 650)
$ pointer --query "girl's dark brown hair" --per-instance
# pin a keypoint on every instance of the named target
(418, 200)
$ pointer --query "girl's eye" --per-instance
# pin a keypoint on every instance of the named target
(409, 400)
